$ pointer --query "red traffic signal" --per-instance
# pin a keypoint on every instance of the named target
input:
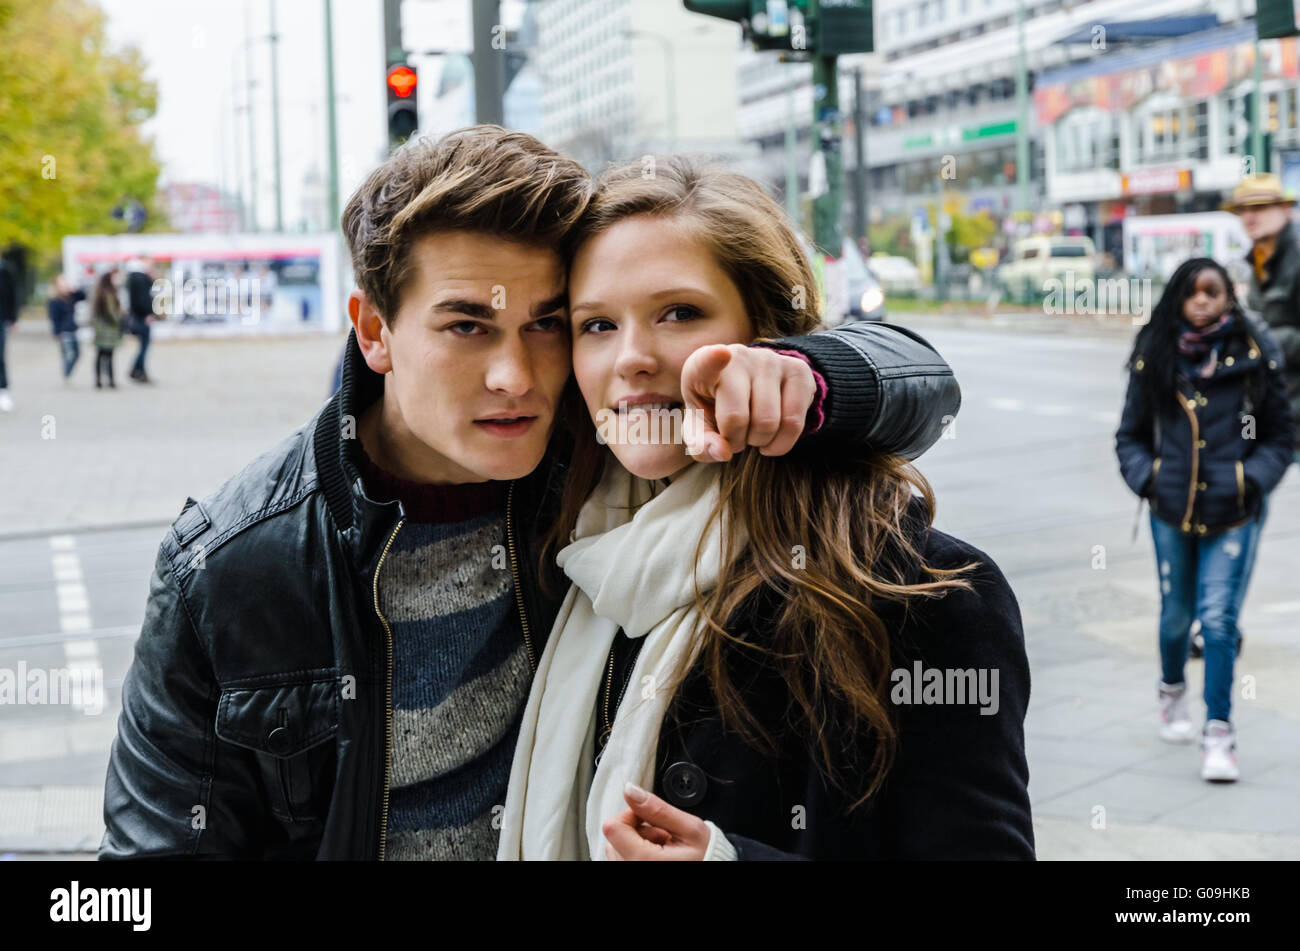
(401, 80)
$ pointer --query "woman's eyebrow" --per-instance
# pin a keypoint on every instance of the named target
(666, 292)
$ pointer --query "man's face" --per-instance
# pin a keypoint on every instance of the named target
(479, 355)
(1263, 221)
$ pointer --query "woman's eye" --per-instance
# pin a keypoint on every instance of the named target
(596, 325)
(688, 313)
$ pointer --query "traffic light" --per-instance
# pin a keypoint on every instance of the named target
(403, 119)
(797, 25)
(1275, 18)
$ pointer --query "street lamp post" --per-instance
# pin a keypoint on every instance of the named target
(1022, 113)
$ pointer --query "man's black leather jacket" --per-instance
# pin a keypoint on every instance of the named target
(256, 718)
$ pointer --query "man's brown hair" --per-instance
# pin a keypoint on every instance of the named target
(482, 178)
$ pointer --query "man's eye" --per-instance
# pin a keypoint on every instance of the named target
(465, 328)
(595, 325)
(550, 324)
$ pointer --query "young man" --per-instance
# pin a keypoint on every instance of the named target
(339, 642)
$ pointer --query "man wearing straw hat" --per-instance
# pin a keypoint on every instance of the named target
(1274, 259)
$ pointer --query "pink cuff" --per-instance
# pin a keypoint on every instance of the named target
(816, 412)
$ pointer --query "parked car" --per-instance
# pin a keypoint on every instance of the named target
(1036, 260)
(858, 295)
(866, 296)
(897, 275)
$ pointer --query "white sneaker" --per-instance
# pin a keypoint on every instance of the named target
(6, 402)
(1219, 752)
(1175, 724)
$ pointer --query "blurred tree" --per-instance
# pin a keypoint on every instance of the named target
(970, 232)
(891, 236)
(71, 146)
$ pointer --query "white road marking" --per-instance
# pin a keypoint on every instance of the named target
(74, 605)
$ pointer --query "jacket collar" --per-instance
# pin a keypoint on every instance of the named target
(337, 449)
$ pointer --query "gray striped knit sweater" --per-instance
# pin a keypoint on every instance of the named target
(460, 668)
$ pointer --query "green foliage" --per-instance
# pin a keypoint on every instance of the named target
(970, 232)
(891, 236)
(71, 146)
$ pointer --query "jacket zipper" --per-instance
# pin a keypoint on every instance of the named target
(514, 574)
(1241, 487)
(1196, 459)
(388, 695)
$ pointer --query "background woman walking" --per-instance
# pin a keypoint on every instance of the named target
(107, 312)
(1206, 434)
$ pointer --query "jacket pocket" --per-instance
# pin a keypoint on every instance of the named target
(289, 726)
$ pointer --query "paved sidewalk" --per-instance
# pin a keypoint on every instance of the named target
(75, 457)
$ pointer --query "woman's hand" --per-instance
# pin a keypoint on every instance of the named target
(738, 396)
(650, 830)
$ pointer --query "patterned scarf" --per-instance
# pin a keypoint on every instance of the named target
(1194, 344)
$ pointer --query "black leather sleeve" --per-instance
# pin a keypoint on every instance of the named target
(888, 390)
(170, 791)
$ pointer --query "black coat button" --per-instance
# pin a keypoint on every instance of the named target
(278, 741)
(684, 784)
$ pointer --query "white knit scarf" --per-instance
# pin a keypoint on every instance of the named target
(631, 564)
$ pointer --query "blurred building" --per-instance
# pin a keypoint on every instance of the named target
(624, 78)
(940, 93)
(1165, 129)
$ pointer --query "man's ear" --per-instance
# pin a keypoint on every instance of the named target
(373, 336)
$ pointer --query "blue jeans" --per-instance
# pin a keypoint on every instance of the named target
(141, 331)
(70, 349)
(1206, 579)
(4, 374)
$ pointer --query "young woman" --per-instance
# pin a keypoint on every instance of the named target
(765, 658)
(1205, 436)
(107, 313)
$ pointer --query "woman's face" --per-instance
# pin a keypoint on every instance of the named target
(1208, 300)
(644, 295)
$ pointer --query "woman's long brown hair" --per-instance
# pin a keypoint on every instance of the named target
(826, 536)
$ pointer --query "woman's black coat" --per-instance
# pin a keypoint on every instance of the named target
(958, 788)
(1206, 456)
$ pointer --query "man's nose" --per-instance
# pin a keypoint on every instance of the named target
(511, 369)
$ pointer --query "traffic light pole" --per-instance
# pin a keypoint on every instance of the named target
(828, 132)
(1256, 127)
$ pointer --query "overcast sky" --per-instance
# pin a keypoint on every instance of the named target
(196, 53)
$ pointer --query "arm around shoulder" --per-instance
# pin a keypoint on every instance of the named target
(888, 390)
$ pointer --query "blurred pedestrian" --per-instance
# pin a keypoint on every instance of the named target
(1205, 435)
(139, 291)
(63, 322)
(8, 317)
(108, 319)
(1274, 259)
